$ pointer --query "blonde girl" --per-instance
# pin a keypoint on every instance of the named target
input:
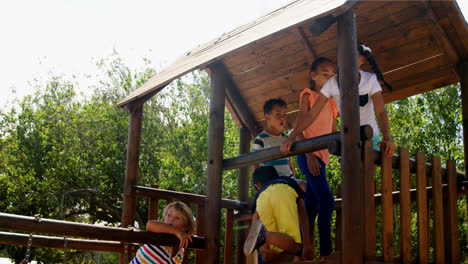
(177, 220)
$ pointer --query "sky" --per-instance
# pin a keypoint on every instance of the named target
(69, 36)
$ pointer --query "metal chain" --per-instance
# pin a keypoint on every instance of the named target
(65, 249)
(126, 252)
(131, 228)
(28, 249)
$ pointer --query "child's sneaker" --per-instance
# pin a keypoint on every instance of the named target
(256, 237)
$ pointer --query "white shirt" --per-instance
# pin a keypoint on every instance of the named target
(368, 86)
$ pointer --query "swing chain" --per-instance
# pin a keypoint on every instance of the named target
(65, 249)
(28, 249)
(126, 252)
(37, 218)
(131, 228)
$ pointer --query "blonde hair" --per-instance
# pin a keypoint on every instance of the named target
(186, 213)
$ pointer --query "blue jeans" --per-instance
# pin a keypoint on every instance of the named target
(319, 201)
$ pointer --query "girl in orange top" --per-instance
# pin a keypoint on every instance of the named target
(319, 199)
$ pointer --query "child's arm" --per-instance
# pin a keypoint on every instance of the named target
(387, 145)
(160, 227)
(304, 119)
(291, 167)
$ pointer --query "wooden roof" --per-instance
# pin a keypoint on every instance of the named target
(417, 45)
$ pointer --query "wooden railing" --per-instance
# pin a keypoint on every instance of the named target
(417, 182)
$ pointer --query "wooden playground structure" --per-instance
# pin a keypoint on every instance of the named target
(419, 46)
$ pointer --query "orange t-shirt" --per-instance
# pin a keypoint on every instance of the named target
(323, 124)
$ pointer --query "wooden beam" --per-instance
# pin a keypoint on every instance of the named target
(463, 72)
(184, 197)
(300, 147)
(440, 36)
(304, 146)
(140, 101)
(131, 171)
(71, 229)
(219, 83)
(10, 238)
(310, 52)
(242, 192)
(237, 102)
(353, 190)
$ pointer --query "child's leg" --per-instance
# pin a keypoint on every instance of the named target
(311, 203)
(283, 241)
(326, 204)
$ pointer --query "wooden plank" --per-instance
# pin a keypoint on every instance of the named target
(370, 216)
(200, 216)
(387, 207)
(441, 77)
(215, 163)
(439, 35)
(381, 11)
(277, 89)
(386, 20)
(153, 206)
(453, 247)
(405, 205)
(402, 75)
(353, 184)
(237, 102)
(421, 203)
(284, 51)
(229, 237)
(309, 50)
(259, 48)
(274, 69)
(452, 22)
(409, 53)
(438, 213)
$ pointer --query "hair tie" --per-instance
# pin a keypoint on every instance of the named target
(365, 48)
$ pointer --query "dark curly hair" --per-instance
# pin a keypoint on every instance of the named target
(268, 106)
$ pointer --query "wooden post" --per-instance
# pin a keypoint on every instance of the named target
(453, 246)
(153, 206)
(421, 203)
(405, 205)
(387, 207)
(242, 192)
(438, 211)
(215, 165)
(200, 253)
(353, 190)
(229, 236)
(131, 172)
(370, 215)
(463, 72)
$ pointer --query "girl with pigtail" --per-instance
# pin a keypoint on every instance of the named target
(370, 102)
